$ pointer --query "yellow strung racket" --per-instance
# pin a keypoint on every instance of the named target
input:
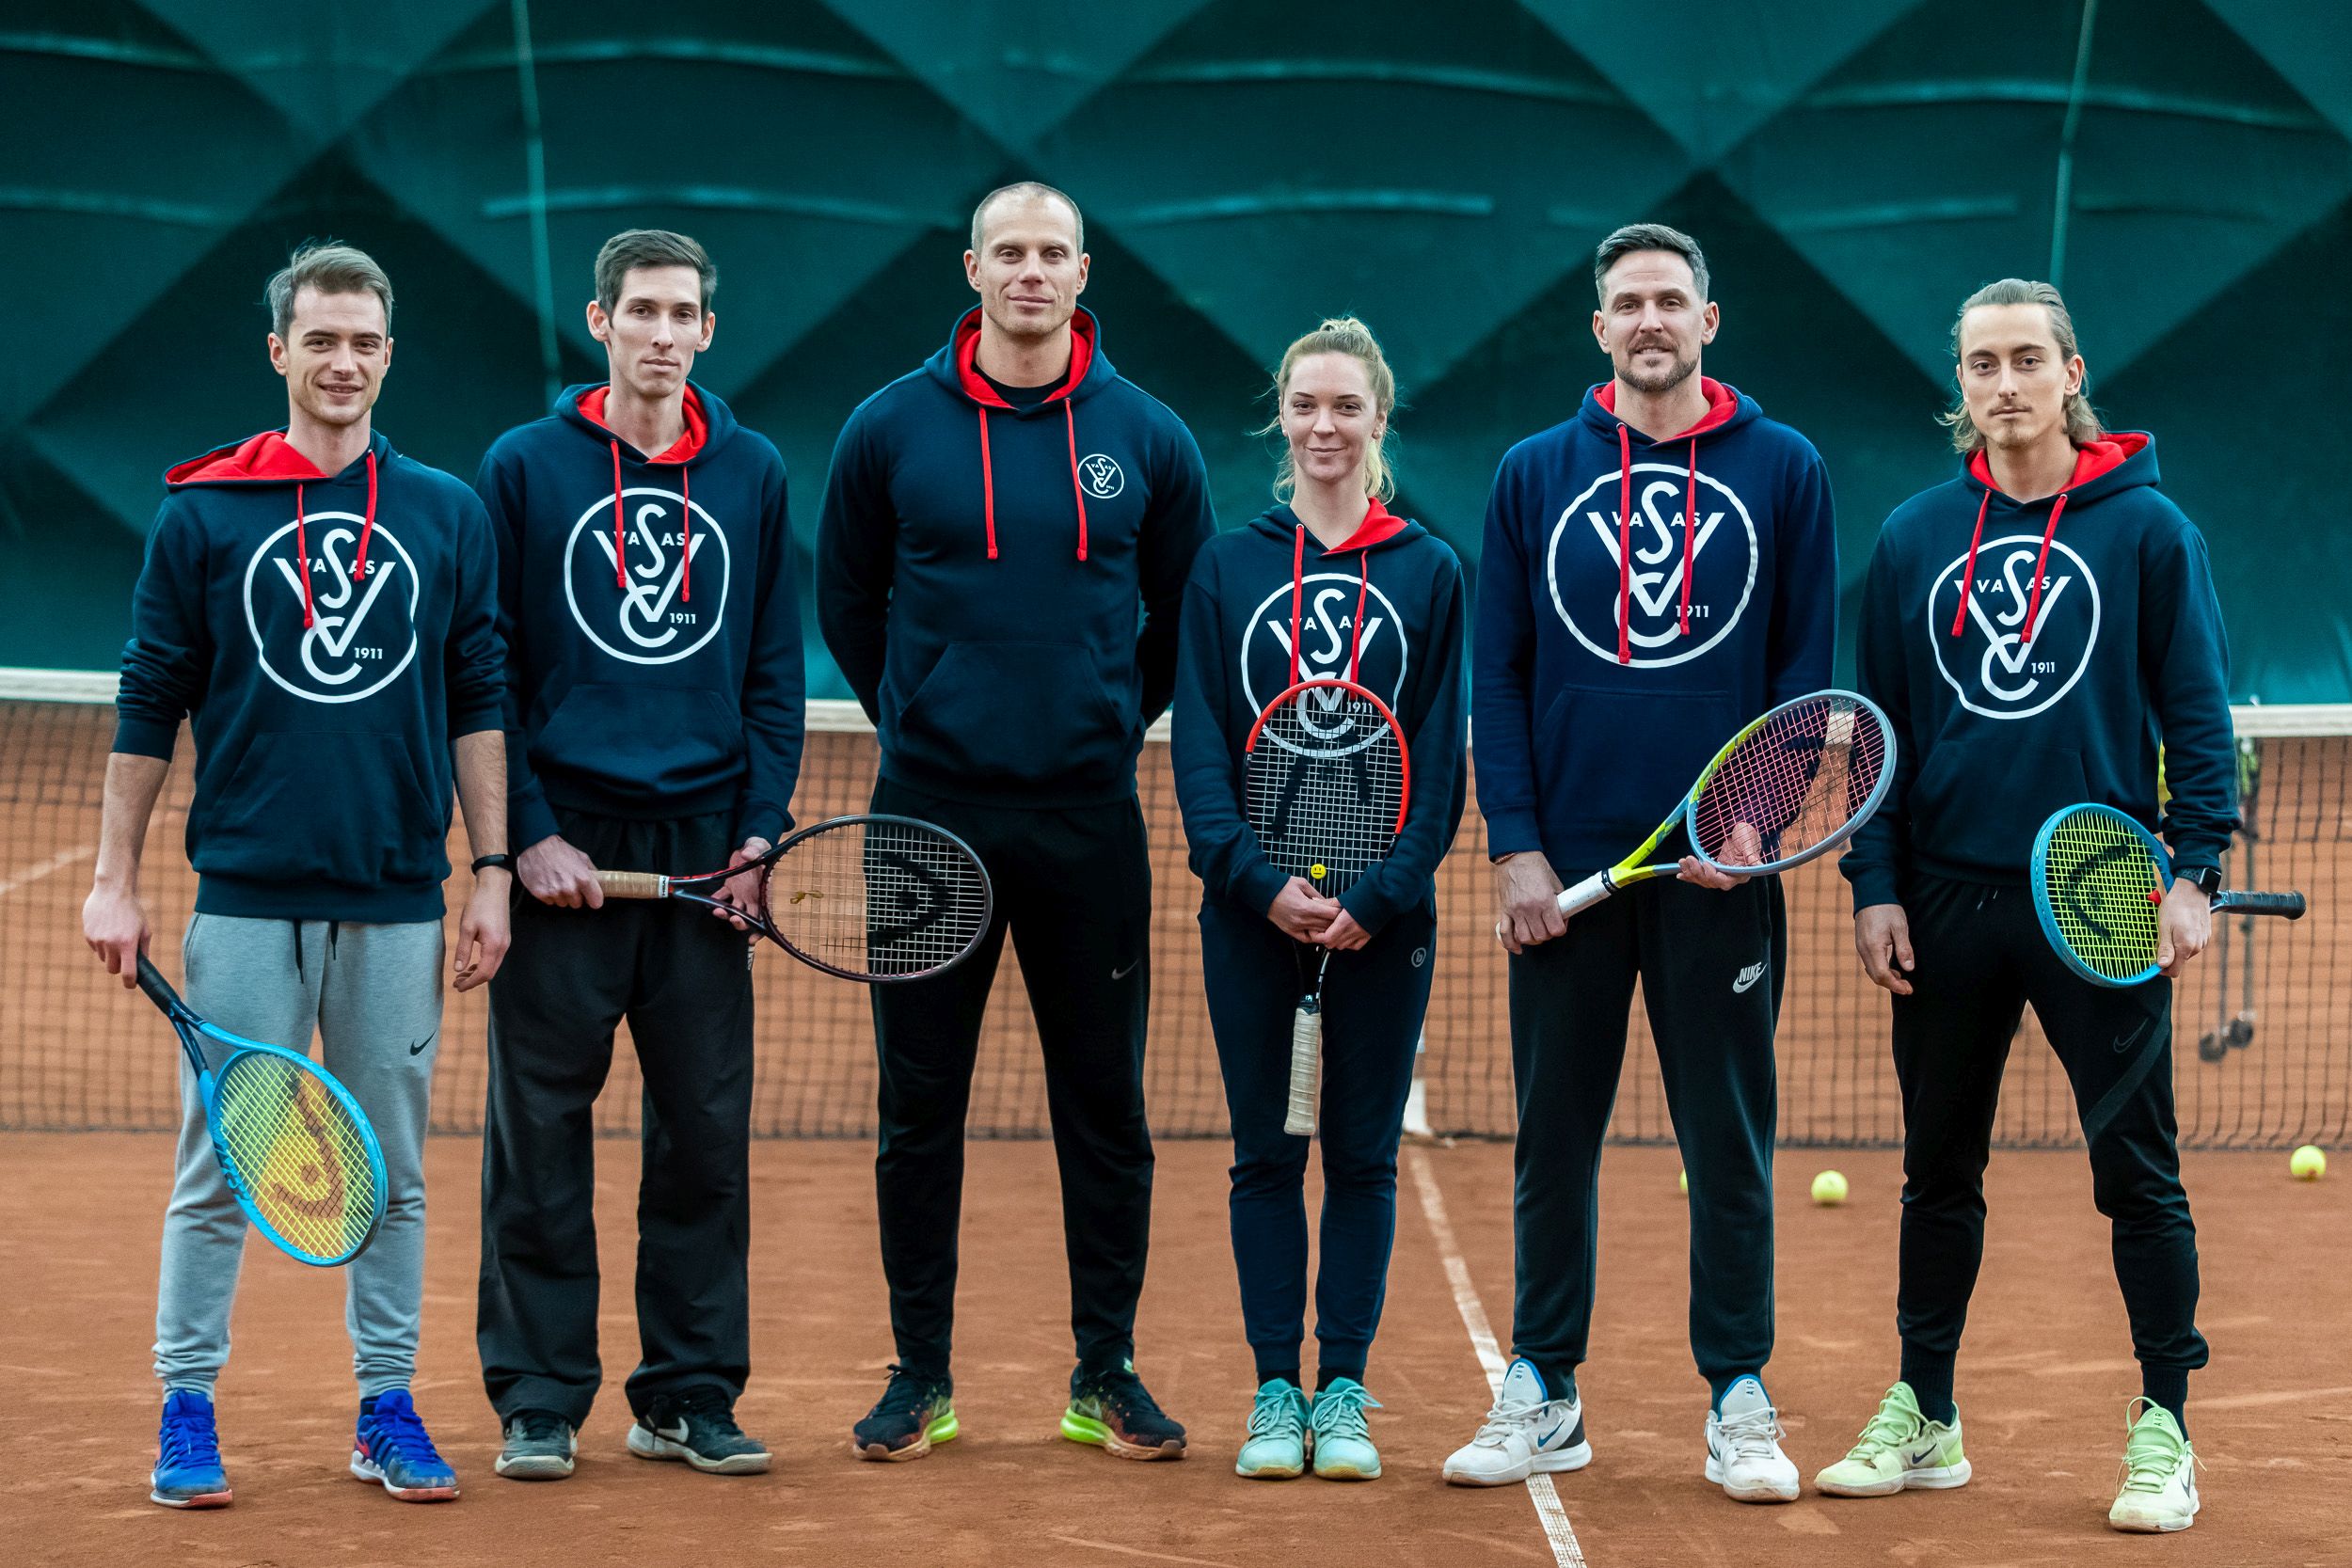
(2099, 881)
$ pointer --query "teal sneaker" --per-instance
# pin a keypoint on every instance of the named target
(1344, 1449)
(1277, 1446)
(1899, 1448)
(2160, 1492)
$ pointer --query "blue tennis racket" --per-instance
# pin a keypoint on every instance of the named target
(294, 1146)
(2099, 881)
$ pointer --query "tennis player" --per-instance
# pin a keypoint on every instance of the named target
(1294, 596)
(1659, 570)
(2036, 627)
(654, 714)
(326, 610)
(1001, 559)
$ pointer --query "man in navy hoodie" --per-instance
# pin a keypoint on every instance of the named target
(2028, 664)
(326, 610)
(1657, 572)
(654, 714)
(998, 525)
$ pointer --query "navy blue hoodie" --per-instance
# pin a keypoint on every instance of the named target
(650, 614)
(979, 568)
(1263, 591)
(1638, 602)
(2000, 726)
(331, 635)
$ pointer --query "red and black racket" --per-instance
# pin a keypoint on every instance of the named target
(1325, 781)
(876, 898)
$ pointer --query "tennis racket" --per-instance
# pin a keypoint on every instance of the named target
(2099, 881)
(1325, 781)
(295, 1147)
(876, 898)
(1794, 783)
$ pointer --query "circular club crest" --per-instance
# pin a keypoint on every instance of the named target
(1102, 476)
(1994, 669)
(647, 622)
(1330, 600)
(1582, 565)
(361, 635)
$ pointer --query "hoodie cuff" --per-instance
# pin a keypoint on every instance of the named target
(758, 819)
(145, 737)
(529, 819)
(1258, 887)
(1368, 907)
(1874, 885)
(1512, 833)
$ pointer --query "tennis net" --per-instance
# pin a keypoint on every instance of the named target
(2263, 1024)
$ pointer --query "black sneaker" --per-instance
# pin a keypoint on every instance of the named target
(697, 1426)
(914, 1412)
(538, 1446)
(1113, 1410)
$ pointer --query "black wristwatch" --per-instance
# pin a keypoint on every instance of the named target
(2205, 879)
(504, 862)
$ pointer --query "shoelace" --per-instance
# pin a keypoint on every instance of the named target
(1347, 1408)
(907, 1392)
(1752, 1435)
(1890, 1428)
(2150, 1459)
(1506, 1419)
(403, 1431)
(1125, 1393)
(537, 1425)
(190, 1440)
(1277, 1412)
(709, 1409)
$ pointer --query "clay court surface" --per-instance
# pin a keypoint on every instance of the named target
(2044, 1383)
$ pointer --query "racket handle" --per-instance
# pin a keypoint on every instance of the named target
(2287, 905)
(1306, 1060)
(634, 884)
(1584, 895)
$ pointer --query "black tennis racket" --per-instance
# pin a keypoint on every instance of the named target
(1326, 779)
(875, 898)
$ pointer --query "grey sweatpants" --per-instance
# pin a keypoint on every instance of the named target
(373, 995)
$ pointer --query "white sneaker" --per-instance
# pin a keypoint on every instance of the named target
(1743, 1454)
(1524, 1434)
(2159, 1491)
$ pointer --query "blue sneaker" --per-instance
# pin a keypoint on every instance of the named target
(393, 1447)
(188, 1473)
(1344, 1446)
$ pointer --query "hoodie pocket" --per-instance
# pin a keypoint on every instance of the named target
(1979, 801)
(1028, 712)
(640, 743)
(1614, 763)
(345, 807)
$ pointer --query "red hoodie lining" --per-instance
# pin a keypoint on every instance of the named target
(2091, 459)
(976, 386)
(1722, 404)
(680, 452)
(1378, 526)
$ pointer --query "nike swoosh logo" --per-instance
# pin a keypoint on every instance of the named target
(1748, 977)
(1915, 1457)
(417, 1049)
(1122, 974)
(1543, 1440)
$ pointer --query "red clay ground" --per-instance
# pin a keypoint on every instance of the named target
(2044, 1385)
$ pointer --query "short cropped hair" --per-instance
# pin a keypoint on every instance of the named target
(1027, 190)
(649, 248)
(1648, 236)
(330, 267)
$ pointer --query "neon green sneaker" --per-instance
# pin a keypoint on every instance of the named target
(1899, 1448)
(1277, 1446)
(1343, 1449)
(2160, 1492)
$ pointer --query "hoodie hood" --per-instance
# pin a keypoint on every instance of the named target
(269, 458)
(956, 365)
(2104, 468)
(708, 424)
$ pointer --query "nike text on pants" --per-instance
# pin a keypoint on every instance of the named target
(373, 996)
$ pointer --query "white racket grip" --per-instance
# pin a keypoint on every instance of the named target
(1306, 1062)
(1584, 895)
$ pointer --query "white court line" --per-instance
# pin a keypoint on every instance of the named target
(1548, 1511)
(35, 872)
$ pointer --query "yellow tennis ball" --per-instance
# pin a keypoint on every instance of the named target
(2308, 1162)
(1682, 1182)
(1829, 1189)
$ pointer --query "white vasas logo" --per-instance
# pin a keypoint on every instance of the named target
(1102, 476)
(1996, 670)
(648, 621)
(1327, 633)
(1582, 566)
(362, 634)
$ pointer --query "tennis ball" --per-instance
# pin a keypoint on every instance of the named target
(1829, 1189)
(1682, 1182)
(2308, 1162)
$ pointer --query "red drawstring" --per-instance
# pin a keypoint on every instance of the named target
(1298, 592)
(1076, 489)
(1356, 631)
(1968, 575)
(367, 528)
(1299, 589)
(988, 484)
(1689, 532)
(1625, 545)
(2033, 604)
(620, 541)
(302, 558)
(686, 536)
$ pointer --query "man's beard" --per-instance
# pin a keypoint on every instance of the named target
(1665, 381)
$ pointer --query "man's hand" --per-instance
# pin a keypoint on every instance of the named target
(1527, 890)
(482, 934)
(555, 872)
(1343, 935)
(745, 892)
(114, 923)
(1882, 935)
(2185, 925)
(1742, 846)
(1301, 912)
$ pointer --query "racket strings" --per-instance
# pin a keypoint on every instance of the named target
(1325, 786)
(2104, 893)
(1793, 784)
(880, 899)
(292, 1144)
